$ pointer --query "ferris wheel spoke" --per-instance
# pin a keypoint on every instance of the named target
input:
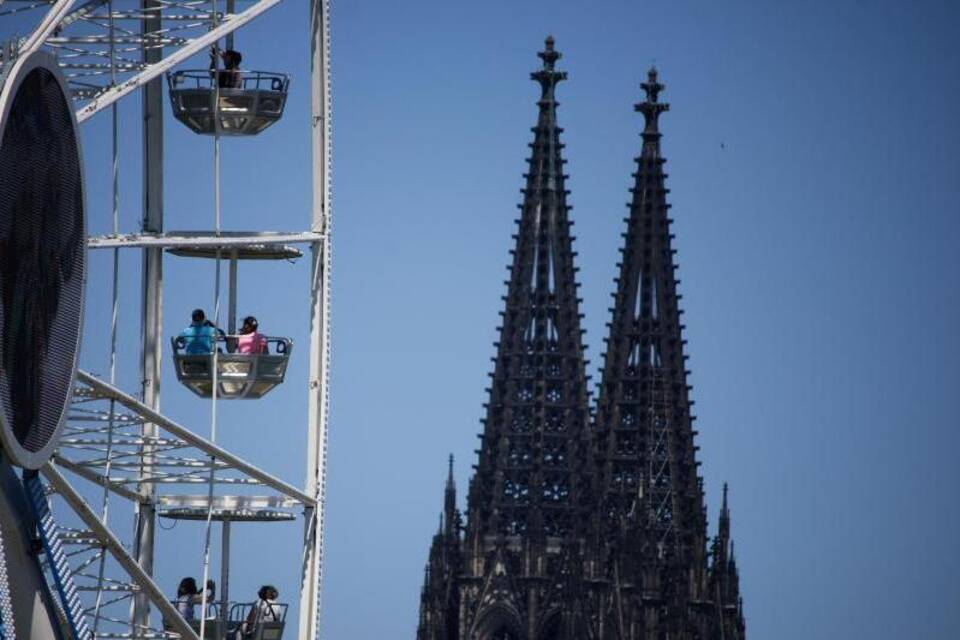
(47, 26)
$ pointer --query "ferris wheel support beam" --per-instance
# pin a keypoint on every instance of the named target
(156, 68)
(151, 302)
(208, 448)
(318, 400)
(49, 23)
(193, 239)
(148, 588)
(86, 474)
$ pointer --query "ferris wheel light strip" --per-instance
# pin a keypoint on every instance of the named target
(153, 71)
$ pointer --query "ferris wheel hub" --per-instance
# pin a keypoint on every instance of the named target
(42, 257)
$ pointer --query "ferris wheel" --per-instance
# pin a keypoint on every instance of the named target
(80, 453)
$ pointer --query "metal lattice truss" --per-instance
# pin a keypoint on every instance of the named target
(104, 573)
(109, 449)
(103, 45)
(104, 443)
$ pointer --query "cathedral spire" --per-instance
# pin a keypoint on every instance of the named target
(725, 515)
(724, 577)
(576, 530)
(450, 484)
(643, 425)
(529, 480)
(722, 548)
(450, 501)
(438, 597)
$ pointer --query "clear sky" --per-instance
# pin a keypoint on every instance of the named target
(812, 153)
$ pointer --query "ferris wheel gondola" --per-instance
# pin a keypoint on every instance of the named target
(243, 110)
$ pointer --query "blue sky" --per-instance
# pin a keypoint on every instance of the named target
(814, 180)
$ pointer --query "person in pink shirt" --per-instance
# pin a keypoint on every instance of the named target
(250, 340)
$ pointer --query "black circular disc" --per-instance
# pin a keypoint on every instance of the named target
(42, 258)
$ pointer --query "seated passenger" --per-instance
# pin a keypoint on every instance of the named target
(265, 609)
(189, 596)
(229, 77)
(200, 336)
(250, 340)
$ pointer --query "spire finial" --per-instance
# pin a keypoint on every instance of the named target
(652, 87)
(651, 109)
(549, 55)
(450, 472)
(548, 76)
(724, 496)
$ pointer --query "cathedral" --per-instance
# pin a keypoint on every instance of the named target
(585, 524)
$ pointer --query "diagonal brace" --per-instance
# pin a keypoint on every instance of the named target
(194, 440)
(115, 547)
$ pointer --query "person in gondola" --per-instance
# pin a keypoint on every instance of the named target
(265, 609)
(200, 335)
(250, 340)
(229, 77)
(189, 596)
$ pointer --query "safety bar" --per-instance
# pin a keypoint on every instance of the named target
(249, 80)
(281, 346)
(240, 611)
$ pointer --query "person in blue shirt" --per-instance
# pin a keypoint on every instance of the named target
(200, 336)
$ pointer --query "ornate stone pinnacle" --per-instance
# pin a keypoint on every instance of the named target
(549, 55)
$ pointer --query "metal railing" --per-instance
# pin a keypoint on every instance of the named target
(248, 80)
(281, 346)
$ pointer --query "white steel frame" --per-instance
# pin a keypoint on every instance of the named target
(108, 49)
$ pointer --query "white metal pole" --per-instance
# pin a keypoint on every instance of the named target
(318, 399)
(215, 365)
(231, 9)
(115, 311)
(151, 296)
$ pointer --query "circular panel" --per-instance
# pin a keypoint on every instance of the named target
(42, 258)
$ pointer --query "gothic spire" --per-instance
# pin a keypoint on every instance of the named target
(574, 531)
(451, 486)
(644, 427)
(724, 577)
(725, 515)
(450, 501)
(531, 460)
(438, 596)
